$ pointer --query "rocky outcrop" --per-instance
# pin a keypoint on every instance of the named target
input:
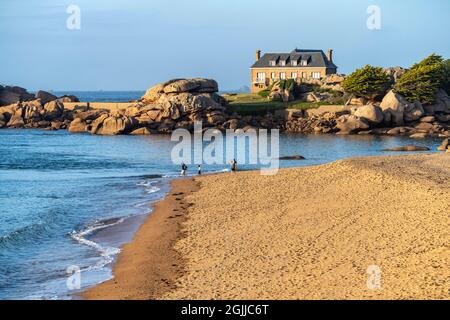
(371, 113)
(395, 73)
(10, 95)
(393, 107)
(42, 110)
(445, 145)
(179, 103)
(442, 103)
(408, 148)
(348, 124)
(113, 125)
(45, 96)
(177, 86)
(78, 125)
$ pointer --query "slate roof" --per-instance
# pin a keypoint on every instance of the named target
(315, 58)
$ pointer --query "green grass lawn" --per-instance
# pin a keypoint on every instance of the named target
(253, 104)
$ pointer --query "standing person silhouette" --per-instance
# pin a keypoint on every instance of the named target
(199, 170)
(183, 169)
(233, 165)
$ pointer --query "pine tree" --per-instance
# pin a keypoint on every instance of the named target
(369, 82)
(423, 80)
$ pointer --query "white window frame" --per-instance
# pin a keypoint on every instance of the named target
(272, 75)
(315, 75)
(294, 75)
(273, 63)
(294, 63)
(303, 63)
(282, 75)
(261, 77)
(283, 63)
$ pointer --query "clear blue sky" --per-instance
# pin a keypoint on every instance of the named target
(131, 44)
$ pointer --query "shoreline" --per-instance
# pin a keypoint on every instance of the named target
(204, 256)
(150, 256)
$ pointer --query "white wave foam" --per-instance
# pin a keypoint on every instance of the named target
(107, 253)
(149, 186)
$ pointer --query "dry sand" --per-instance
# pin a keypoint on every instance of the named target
(305, 233)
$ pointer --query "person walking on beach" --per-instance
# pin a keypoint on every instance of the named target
(233, 165)
(199, 170)
(183, 169)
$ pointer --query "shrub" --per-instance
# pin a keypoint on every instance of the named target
(369, 82)
(423, 80)
(264, 93)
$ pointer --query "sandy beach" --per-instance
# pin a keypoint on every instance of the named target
(304, 233)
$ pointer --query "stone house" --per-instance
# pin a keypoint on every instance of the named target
(298, 64)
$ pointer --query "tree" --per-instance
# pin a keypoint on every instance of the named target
(446, 81)
(423, 80)
(369, 82)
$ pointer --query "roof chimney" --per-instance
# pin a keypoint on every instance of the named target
(258, 55)
(330, 55)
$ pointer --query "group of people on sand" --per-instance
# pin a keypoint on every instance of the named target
(184, 168)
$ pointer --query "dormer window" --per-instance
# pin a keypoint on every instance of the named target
(304, 63)
(283, 63)
(273, 63)
(294, 63)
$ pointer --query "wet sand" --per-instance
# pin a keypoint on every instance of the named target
(304, 233)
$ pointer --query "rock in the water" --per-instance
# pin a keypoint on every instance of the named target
(53, 110)
(350, 124)
(371, 113)
(419, 135)
(77, 125)
(408, 148)
(113, 125)
(16, 121)
(295, 157)
(401, 131)
(141, 131)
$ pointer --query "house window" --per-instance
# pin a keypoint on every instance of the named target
(282, 75)
(260, 77)
(304, 63)
(294, 63)
(294, 75)
(303, 74)
(272, 63)
(315, 75)
(283, 63)
(272, 75)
